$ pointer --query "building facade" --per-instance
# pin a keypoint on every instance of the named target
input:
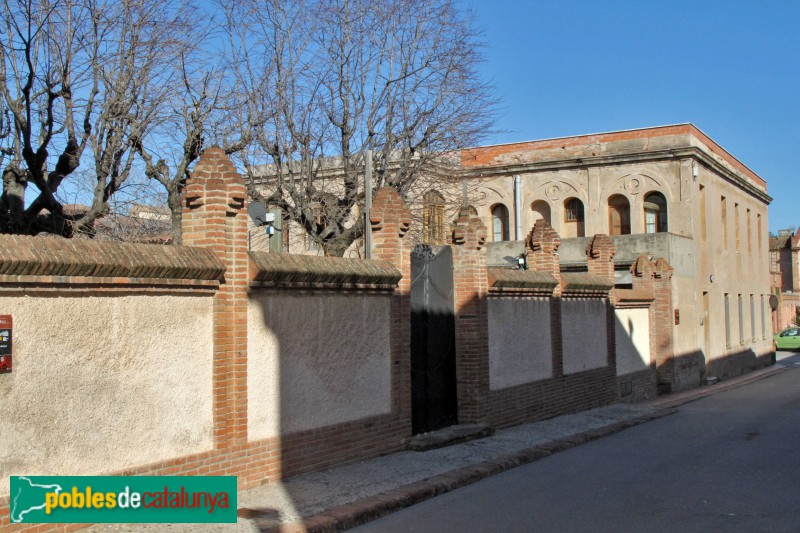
(784, 267)
(667, 191)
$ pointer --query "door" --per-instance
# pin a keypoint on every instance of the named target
(433, 357)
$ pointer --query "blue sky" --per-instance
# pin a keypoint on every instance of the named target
(732, 68)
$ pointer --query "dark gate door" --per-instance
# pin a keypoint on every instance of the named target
(433, 353)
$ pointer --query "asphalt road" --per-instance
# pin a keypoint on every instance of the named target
(729, 462)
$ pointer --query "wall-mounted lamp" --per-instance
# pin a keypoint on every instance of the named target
(711, 278)
(522, 262)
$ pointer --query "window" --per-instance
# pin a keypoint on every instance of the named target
(741, 320)
(619, 215)
(541, 210)
(753, 317)
(727, 320)
(736, 224)
(758, 228)
(724, 214)
(433, 226)
(500, 223)
(573, 218)
(749, 235)
(573, 210)
(655, 213)
(702, 213)
(763, 319)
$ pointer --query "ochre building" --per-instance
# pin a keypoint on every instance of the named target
(668, 192)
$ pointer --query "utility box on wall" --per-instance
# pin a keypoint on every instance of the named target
(5, 344)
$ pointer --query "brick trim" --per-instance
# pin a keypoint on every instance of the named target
(470, 281)
(49, 259)
(330, 271)
(214, 218)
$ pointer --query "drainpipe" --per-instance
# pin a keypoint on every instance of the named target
(517, 208)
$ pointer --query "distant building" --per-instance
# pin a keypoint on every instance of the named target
(784, 269)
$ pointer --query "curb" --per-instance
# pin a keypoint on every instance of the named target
(703, 392)
(360, 512)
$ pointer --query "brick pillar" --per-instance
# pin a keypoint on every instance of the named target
(600, 257)
(467, 238)
(600, 260)
(214, 217)
(654, 276)
(390, 219)
(543, 243)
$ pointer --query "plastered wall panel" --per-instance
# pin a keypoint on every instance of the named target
(105, 383)
(583, 332)
(316, 360)
(633, 340)
(520, 347)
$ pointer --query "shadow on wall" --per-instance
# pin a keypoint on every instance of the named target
(321, 381)
(693, 369)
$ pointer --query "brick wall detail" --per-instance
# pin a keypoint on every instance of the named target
(390, 219)
(214, 217)
(470, 280)
(654, 276)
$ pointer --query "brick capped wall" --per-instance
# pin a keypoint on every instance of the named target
(562, 393)
(215, 261)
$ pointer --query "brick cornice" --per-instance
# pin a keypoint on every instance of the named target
(329, 271)
(503, 278)
(24, 257)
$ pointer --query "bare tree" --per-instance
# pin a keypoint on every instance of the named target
(337, 78)
(82, 81)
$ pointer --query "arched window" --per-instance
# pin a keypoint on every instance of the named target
(541, 210)
(619, 215)
(499, 223)
(655, 213)
(573, 218)
(433, 226)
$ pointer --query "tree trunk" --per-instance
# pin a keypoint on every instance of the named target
(176, 213)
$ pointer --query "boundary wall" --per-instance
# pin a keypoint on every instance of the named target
(209, 359)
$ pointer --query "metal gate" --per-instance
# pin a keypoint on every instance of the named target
(434, 403)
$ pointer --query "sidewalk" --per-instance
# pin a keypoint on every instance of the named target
(349, 495)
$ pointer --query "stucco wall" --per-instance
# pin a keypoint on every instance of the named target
(584, 334)
(105, 383)
(632, 328)
(316, 360)
(520, 348)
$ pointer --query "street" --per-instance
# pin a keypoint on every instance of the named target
(728, 462)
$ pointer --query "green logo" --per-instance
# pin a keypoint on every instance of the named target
(122, 499)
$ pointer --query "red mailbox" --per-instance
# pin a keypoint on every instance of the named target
(5, 344)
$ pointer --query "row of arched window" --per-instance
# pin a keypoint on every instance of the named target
(619, 216)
